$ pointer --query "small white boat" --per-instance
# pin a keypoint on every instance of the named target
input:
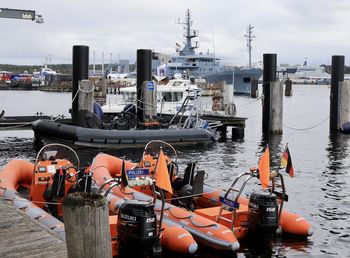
(170, 97)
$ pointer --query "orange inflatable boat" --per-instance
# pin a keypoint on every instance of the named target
(207, 232)
(48, 181)
(262, 213)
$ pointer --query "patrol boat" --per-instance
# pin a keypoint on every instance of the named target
(206, 65)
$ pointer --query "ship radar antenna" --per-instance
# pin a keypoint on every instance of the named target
(250, 38)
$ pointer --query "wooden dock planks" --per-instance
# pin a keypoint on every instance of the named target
(20, 236)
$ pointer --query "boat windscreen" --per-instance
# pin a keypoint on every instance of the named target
(153, 148)
(58, 151)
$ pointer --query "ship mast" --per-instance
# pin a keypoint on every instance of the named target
(250, 38)
(189, 35)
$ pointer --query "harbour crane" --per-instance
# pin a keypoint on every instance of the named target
(21, 14)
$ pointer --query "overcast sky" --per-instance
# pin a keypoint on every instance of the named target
(294, 29)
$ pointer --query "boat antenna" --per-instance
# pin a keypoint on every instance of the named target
(250, 38)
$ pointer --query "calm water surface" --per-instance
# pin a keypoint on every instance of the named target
(320, 190)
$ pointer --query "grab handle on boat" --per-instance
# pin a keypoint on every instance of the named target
(106, 183)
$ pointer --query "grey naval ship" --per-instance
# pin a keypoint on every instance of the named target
(207, 66)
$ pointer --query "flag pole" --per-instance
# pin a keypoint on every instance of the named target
(124, 179)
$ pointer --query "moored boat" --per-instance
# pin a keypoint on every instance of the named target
(105, 167)
(262, 214)
(51, 131)
(56, 173)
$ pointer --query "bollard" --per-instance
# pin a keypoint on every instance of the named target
(144, 73)
(337, 76)
(80, 72)
(276, 107)
(86, 224)
(254, 91)
(269, 75)
(289, 91)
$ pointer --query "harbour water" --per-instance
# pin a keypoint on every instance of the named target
(319, 191)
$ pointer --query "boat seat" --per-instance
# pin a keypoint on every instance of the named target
(212, 213)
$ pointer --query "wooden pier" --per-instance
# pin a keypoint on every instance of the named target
(21, 236)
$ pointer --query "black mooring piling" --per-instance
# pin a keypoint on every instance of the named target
(144, 73)
(80, 72)
(288, 90)
(254, 92)
(269, 76)
(337, 76)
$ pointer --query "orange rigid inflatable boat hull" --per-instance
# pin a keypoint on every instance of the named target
(205, 231)
(291, 223)
(19, 173)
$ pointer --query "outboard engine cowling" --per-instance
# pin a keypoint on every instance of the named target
(137, 230)
(262, 214)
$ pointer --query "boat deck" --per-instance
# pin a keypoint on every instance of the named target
(23, 237)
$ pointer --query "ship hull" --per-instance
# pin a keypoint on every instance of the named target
(242, 79)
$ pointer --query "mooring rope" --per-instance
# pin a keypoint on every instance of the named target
(246, 104)
(307, 128)
(83, 91)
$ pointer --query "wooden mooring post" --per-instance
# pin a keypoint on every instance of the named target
(254, 91)
(276, 107)
(272, 111)
(339, 95)
(86, 224)
(288, 90)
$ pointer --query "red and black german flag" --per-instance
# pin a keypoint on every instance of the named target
(286, 162)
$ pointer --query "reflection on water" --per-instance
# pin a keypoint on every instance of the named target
(335, 187)
(274, 141)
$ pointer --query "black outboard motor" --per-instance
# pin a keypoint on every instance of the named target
(137, 230)
(262, 215)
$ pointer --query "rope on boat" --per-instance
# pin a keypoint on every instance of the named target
(307, 128)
